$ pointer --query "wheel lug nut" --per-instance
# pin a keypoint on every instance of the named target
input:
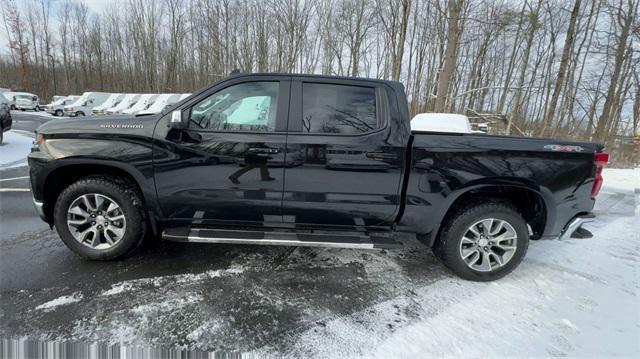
(93, 223)
(99, 227)
(486, 248)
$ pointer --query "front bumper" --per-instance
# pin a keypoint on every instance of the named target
(574, 229)
(39, 209)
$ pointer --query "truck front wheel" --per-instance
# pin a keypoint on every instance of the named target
(483, 241)
(100, 218)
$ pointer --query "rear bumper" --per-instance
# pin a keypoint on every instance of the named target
(575, 224)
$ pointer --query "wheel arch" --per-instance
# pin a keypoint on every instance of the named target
(534, 204)
(64, 175)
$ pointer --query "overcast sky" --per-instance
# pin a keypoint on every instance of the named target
(95, 6)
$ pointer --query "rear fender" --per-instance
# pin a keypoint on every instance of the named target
(448, 203)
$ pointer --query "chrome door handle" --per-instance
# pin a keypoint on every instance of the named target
(263, 150)
(382, 156)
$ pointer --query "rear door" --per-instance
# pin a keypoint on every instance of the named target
(343, 162)
(224, 167)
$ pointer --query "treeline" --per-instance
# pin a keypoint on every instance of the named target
(567, 69)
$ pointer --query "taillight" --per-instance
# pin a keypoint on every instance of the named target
(599, 160)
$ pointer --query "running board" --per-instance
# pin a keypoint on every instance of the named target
(357, 240)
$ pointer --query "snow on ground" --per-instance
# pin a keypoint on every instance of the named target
(14, 149)
(577, 297)
(35, 113)
(66, 299)
(625, 180)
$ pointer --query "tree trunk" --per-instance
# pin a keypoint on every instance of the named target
(453, 36)
(562, 71)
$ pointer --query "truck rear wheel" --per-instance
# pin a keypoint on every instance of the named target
(483, 241)
(100, 218)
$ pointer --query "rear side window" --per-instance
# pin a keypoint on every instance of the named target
(328, 108)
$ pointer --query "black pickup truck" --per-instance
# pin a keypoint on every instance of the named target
(304, 160)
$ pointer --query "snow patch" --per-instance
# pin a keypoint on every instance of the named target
(626, 180)
(135, 284)
(14, 149)
(66, 299)
(167, 305)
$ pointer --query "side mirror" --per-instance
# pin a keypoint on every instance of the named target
(176, 120)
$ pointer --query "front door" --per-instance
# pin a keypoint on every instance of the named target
(344, 164)
(226, 167)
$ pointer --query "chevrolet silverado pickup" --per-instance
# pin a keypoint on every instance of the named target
(304, 160)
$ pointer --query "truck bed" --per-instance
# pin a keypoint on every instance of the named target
(445, 165)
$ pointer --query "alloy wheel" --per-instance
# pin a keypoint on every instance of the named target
(96, 221)
(488, 244)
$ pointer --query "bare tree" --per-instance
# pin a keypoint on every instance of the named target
(453, 36)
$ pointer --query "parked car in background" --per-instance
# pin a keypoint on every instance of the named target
(160, 103)
(113, 100)
(142, 104)
(85, 104)
(25, 101)
(5, 115)
(56, 107)
(127, 101)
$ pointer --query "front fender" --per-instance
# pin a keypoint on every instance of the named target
(59, 161)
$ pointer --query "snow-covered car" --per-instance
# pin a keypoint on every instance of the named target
(143, 103)
(85, 104)
(160, 103)
(56, 107)
(127, 101)
(113, 100)
(25, 101)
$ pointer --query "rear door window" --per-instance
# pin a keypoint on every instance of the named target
(338, 109)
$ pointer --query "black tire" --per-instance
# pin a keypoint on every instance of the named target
(447, 246)
(1, 135)
(79, 113)
(126, 197)
(58, 113)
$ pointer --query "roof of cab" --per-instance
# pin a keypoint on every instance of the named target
(284, 74)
